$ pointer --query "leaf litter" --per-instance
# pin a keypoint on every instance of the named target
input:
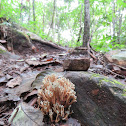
(20, 78)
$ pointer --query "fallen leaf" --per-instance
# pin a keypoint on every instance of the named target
(37, 63)
(62, 54)
(20, 60)
(2, 123)
(51, 59)
(15, 93)
(43, 56)
(8, 77)
(33, 59)
(3, 41)
(30, 94)
(14, 82)
(25, 115)
(3, 80)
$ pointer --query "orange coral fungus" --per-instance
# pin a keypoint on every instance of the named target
(55, 97)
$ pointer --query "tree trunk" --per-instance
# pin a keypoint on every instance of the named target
(120, 25)
(21, 17)
(80, 26)
(113, 18)
(29, 12)
(86, 35)
(58, 30)
(33, 5)
(43, 20)
(0, 6)
(53, 17)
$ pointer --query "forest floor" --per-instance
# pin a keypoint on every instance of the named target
(31, 64)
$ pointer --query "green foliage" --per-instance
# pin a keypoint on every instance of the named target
(67, 18)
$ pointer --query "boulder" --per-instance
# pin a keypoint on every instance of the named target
(6, 54)
(117, 56)
(77, 60)
(76, 64)
(101, 101)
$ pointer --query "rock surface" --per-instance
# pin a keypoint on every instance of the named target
(6, 54)
(77, 60)
(117, 56)
(76, 64)
(100, 101)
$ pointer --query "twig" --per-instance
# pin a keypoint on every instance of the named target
(114, 73)
(92, 56)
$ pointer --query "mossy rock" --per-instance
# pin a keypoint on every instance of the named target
(101, 101)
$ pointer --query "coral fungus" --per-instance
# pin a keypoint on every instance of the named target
(55, 97)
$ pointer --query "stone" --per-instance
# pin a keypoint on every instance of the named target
(101, 101)
(76, 64)
(79, 50)
(77, 60)
(6, 54)
(117, 57)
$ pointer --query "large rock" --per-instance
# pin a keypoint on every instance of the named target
(6, 54)
(100, 101)
(117, 56)
(77, 60)
(76, 64)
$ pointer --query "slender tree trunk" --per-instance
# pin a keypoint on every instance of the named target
(53, 17)
(80, 31)
(58, 36)
(58, 30)
(0, 6)
(111, 30)
(86, 35)
(29, 12)
(33, 5)
(21, 17)
(113, 18)
(43, 20)
(120, 25)
(79, 36)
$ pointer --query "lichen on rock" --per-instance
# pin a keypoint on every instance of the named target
(56, 96)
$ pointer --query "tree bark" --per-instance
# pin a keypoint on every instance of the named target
(120, 25)
(33, 5)
(80, 27)
(113, 18)
(53, 17)
(43, 20)
(0, 6)
(21, 17)
(86, 35)
(29, 12)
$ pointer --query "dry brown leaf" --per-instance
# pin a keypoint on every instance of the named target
(14, 82)
(3, 41)
(51, 59)
(37, 63)
(31, 93)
